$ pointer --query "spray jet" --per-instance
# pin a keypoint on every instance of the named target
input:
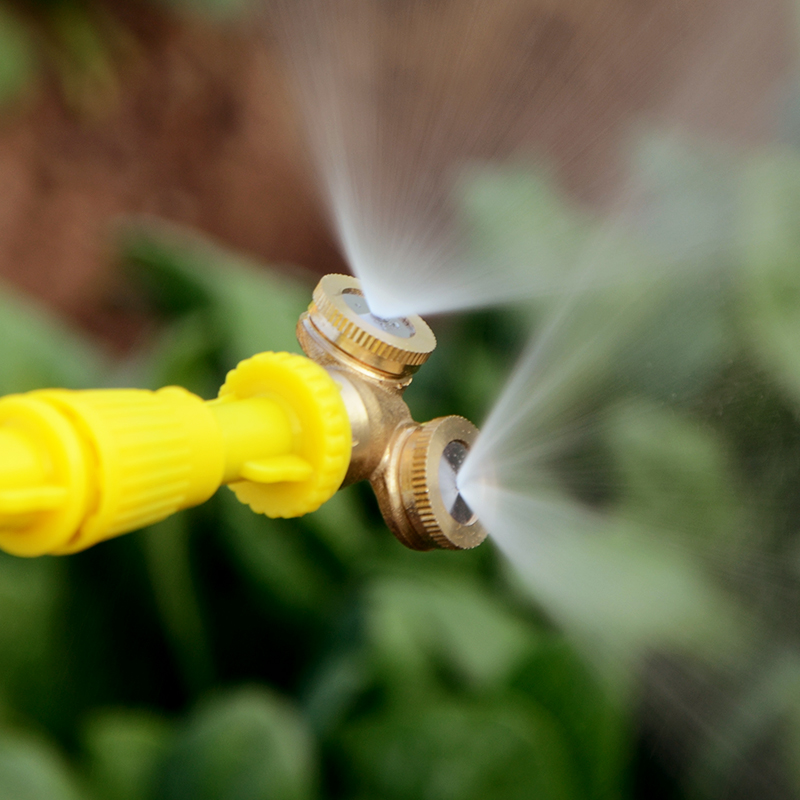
(285, 433)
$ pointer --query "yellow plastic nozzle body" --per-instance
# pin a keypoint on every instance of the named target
(79, 467)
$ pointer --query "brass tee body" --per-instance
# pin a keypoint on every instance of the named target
(411, 466)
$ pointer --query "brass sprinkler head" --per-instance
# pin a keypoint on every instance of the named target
(412, 467)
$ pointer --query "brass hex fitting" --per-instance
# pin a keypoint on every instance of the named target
(412, 467)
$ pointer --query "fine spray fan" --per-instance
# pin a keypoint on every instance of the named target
(285, 433)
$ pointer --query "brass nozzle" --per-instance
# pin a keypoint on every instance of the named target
(412, 467)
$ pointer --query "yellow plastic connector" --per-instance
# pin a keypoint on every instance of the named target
(79, 467)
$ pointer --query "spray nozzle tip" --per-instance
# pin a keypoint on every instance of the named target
(429, 465)
(394, 345)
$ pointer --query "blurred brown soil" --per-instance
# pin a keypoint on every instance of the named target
(201, 130)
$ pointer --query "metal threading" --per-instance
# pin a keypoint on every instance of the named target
(340, 313)
(437, 510)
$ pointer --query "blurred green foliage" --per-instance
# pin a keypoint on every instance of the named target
(16, 56)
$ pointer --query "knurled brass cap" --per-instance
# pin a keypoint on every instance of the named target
(340, 313)
(429, 464)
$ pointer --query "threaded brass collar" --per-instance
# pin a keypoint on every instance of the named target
(340, 313)
(429, 463)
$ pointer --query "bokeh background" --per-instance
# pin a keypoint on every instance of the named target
(160, 220)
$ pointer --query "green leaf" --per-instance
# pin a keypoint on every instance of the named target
(32, 770)
(341, 525)
(674, 475)
(619, 587)
(83, 57)
(684, 205)
(438, 749)
(17, 62)
(337, 685)
(764, 716)
(681, 344)
(244, 745)
(124, 749)
(592, 721)
(38, 351)
(167, 550)
(31, 592)
(274, 554)
(516, 219)
(249, 308)
(769, 286)
(418, 625)
(183, 355)
(526, 233)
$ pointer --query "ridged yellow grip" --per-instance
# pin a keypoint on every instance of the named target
(78, 467)
(152, 454)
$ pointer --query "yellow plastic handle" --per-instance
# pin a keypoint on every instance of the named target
(78, 467)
